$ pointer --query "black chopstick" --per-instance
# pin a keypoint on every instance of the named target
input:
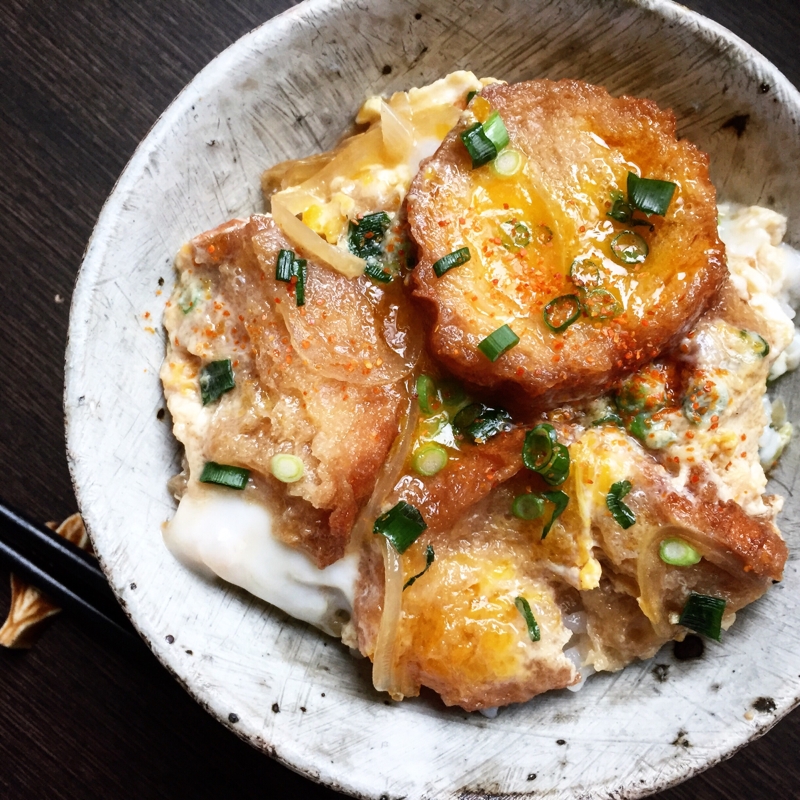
(69, 576)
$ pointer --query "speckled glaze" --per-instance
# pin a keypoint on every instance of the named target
(289, 89)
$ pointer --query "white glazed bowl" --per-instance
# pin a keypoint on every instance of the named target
(288, 89)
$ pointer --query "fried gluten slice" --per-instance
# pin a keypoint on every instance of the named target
(524, 232)
(324, 381)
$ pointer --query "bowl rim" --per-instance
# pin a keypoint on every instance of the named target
(707, 30)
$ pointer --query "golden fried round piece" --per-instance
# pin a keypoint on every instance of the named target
(543, 247)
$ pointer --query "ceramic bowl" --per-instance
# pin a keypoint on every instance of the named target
(288, 89)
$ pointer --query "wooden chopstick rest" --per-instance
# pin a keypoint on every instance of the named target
(29, 607)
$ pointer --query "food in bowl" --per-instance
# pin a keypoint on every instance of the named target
(481, 396)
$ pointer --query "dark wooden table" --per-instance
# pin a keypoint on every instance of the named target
(82, 82)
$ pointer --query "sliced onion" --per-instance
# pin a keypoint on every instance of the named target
(398, 133)
(302, 236)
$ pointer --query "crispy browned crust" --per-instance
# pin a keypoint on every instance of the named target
(354, 421)
(445, 497)
(549, 122)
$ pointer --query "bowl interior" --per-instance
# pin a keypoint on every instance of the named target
(289, 89)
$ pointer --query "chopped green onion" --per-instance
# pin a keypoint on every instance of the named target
(377, 271)
(678, 553)
(365, 240)
(470, 95)
(629, 247)
(187, 300)
(427, 395)
(543, 453)
(703, 614)
(537, 449)
(215, 379)
(451, 392)
(454, 259)
(429, 459)
(498, 342)
(645, 390)
(561, 312)
(429, 556)
(758, 343)
(704, 399)
(508, 163)
(544, 235)
(650, 195)
(495, 130)
(400, 525)
(600, 304)
(653, 433)
(284, 266)
(608, 419)
(479, 146)
(560, 500)
(478, 422)
(621, 513)
(557, 470)
(301, 272)
(224, 475)
(514, 235)
(286, 467)
(585, 273)
(527, 506)
(525, 609)
(365, 237)
(620, 210)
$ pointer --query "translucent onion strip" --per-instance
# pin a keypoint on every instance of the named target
(383, 668)
(303, 237)
(398, 133)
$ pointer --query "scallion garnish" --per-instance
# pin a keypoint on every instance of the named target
(429, 459)
(608, 419)
(584, 273)
(478, 422)
(454, 259)
(215, 379)
(537, 449)
(527, 506)
(629, 247)
(495, 130)
(451, 392)
(757, 342)
(620, 210)
(557, 471)
(514, 235)
(429, 556)
(365, 240)
(543, 453)
(525, 609)
(651, 431)
(560, 500)
(678, 553)
(400, 525)
(498, 342)
(224, 475)
(508, 163)
(470, 95)
(650, 195)
(187, 300)
(284, 265)
(300, 269)
(427, 395)
(703, 614)
(286, 467)
(600, 304)
(480, 147)
(621, 513)
(561, 312)
(704, 399)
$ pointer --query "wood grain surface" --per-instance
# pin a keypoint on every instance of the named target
(82, 82)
